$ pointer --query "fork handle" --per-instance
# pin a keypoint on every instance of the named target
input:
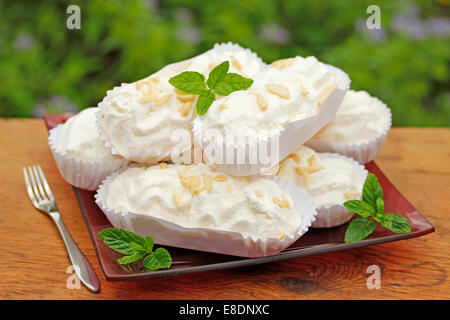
(83, 269)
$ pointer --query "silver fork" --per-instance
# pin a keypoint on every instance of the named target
(42, 198)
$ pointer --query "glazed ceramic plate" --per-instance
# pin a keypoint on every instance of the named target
(315, 241)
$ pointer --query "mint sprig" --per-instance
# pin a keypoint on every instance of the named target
(371, 211)
(135, 247)
(190, 82)
(219, 82)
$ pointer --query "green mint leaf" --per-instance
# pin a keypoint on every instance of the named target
(395, 223)
(219, 82)
(189, 81)
(120, 239)
(380, 206)
(359, 207)
(232, 82)
(149, 244)
(136, 247)
(132, 258)
(138, 254)
(359, 229)
(217, 74)
(372, 190)
(204, 101)
(159, 259)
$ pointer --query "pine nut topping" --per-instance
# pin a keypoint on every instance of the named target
(185, 108)
(312, 160)
(296, 157)
(259, 193)
(281, 203)
(326, 91)
(283, 63)
(262, 103)
(281, 236)
(208, 182)
(163, 100)
(151, 90)
(163, 165)
(139, 84)
(195, 183)
(177, 199)
(221, 178)
(278, 90)
(229, 188)
(223, 106)
(307, 170)
(303, 90)
(185, 98)
(236, 63)
(352, 194)
(146, 99)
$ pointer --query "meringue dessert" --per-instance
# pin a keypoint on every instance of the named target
(330, 180)
(196, 196)
(360, 119)
(79, 152)
(138, 119)
(288, 90)
(79, 138)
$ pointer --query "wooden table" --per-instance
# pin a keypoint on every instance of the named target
(34, 261)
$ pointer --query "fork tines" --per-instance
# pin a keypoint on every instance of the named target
(37, 185)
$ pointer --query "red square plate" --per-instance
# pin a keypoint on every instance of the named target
(315, 241)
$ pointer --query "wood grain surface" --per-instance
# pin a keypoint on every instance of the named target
(34, 261)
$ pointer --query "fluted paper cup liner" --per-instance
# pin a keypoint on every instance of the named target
(290, 139)
(86, 175)
(210, 240)
(336, 215)
(361, 152)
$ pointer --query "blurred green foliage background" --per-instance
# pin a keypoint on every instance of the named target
(44, 67)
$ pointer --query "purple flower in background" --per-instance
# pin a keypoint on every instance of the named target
(375, 35)
(274, 33)
(189, 34)
(183, 16)
(23, 41)
(151, 4)
(410, 23)
(186, 31)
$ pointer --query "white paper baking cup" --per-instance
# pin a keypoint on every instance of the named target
(82, 174)
(361, 152)
(217, 241)
(290, 139)
(336, 215)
